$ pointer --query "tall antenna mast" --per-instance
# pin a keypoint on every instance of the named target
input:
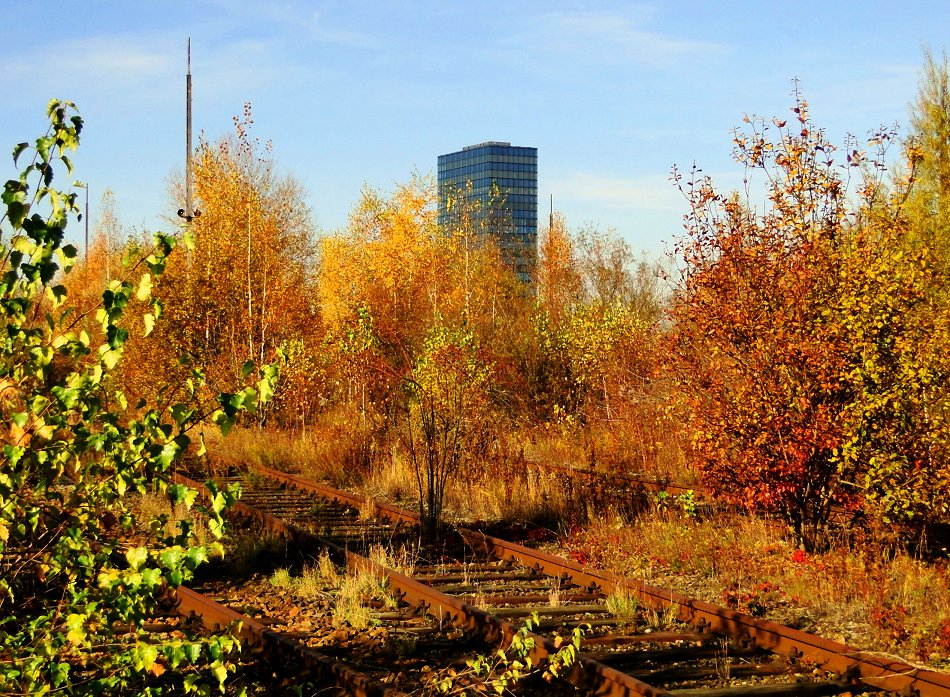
(188, 212)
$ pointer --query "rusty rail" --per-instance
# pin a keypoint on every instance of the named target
(216, 616)
(586, 673)
(872, 669)
(646, 484)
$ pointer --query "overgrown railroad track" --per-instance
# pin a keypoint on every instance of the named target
(624, 493)
(632, 493)
(653, 642)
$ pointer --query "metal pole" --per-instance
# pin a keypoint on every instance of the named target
(188, 189)
(87, 223)
(188, 212)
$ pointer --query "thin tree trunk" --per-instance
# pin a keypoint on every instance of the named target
(250, 316)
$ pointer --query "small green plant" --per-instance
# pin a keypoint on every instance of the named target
(624, 606)
(314, 581)
(354, 591)
(684, 503)
(282, 579)
(327, 570)
(501, 672)
(671, 614)
(687, 503)
(350, 608)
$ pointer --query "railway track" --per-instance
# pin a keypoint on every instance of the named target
(631, 493)
(639, 484)
(627, 494)
(308, 664)
(640, 640)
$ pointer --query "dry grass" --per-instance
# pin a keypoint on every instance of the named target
(889, 602)
(502, 488)
(881, 601)
(352, 592)
(158, 508)
(509, 492)
(634, 444)
(484, 491)
(335, 450)
(393, 479)
(402, 560)
(554, 594)
(316, 581)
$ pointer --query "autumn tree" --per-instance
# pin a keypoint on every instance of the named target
(559, 278)
(80, 580)
(447, 409)
(395, 264)
(405, 300)
(243, 291)
(595, 322)
(95, 267)
(929, 202)
(801, 335)
(389, 262)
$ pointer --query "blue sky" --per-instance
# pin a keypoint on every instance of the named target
(352, 92)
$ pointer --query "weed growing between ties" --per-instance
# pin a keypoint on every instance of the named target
(354, 594)
(625, 607)
(503, 671)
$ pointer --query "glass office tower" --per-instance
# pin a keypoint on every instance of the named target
(496, 184)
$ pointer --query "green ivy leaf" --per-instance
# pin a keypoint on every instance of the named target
(136, 556)
(181, 494)
(144, 291)
(18, 150)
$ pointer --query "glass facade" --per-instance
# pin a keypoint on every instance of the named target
(498, 184)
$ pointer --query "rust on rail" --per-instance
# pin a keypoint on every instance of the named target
(216, 616)
(873, 669)
(587, 673)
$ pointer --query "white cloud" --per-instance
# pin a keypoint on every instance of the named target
(106, 61)
(647, 192)
(607, 37)
(131, 71)
(304, 22)
(123, 61)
